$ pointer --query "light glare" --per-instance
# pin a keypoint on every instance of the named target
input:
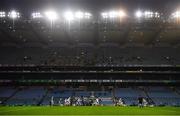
(176, 14)
(13, 14)
(2, 14)
(69, 16)
(113, 14)
(104, 15)
(51, 15)
(36, 15)
(138, 14)
(148, 14)
(122, 14)
(87, 15)
(79, 15)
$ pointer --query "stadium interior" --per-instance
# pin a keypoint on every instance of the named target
(86, 58)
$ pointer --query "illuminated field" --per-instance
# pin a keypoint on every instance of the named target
(94, 110)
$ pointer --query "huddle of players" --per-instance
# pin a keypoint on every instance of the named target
(76, 101)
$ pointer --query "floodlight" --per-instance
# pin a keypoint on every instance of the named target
(122, 14)
(51, 15)
(87, 15)
(69, 16)
(148, 14)
(104, 15)
(138, 14)
(176, 14)
(156, 15)
(2, 14)
(36, 15)
(113, 14)
(79, 15)
(13, 14)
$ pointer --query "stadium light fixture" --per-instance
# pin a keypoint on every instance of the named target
(148, 14)
(87, 15)
(36, 15)
(2, 14)
(156, 15)
(79, 15)
(104, 15)
(14, 15)
(69, 16)
(51, 15)
(176, 14)
(113, 14)
(138, 14)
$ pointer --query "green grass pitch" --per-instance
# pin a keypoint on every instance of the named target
(89, 110)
